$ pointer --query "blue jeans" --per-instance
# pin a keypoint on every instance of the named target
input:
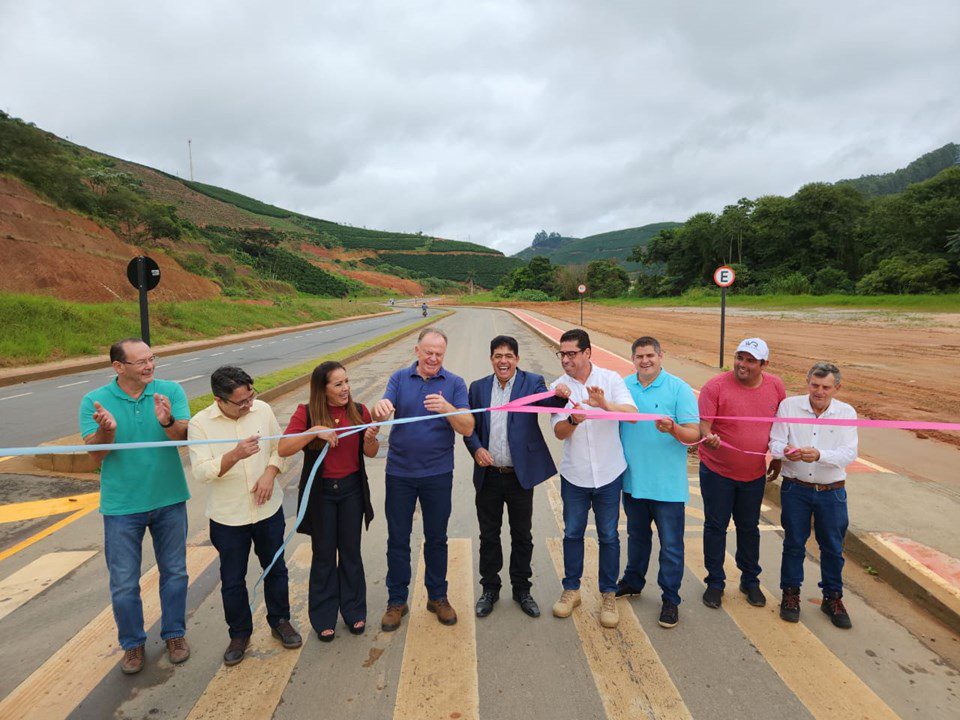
(829, 511)
(123, 550)
(434, 493)
(606, 512)
(670, 520)
(233, 543)
(723, 497)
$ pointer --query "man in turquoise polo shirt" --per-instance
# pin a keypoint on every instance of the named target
(141, 489)
(655, 486)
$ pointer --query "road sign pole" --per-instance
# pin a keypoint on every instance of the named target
(144, 309)
(723, 320)
(581, 311)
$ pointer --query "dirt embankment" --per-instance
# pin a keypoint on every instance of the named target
(895, 365)
(370, 277)
(54, 252)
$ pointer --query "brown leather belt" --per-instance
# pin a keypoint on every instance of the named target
(817, 486)
(502, 470)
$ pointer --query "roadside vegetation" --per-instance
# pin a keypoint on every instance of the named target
(37, 329)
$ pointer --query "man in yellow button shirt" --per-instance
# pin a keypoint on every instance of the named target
(243, 504)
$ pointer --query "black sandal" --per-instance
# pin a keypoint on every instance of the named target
(327, 638)
(358, 630)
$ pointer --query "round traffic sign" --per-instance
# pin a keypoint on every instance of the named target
(581, 289)
(724, 276)
(151, 272)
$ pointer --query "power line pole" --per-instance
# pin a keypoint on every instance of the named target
(190, 153)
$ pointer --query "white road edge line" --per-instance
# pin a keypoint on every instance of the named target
(192, 377)
(11, 397)
(78, 382)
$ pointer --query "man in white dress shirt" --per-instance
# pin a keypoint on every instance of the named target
(590, 472)
(814, 475)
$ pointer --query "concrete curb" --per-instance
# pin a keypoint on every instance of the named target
(863, 548)
(85, 463)
(14, 376)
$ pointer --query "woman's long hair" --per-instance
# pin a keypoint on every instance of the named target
(319, 406)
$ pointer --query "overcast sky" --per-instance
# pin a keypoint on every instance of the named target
(490, 120)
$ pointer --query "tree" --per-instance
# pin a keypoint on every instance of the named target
(606, 279)
(538, 274)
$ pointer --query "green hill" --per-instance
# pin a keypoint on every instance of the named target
(923, 168)
(617, 245)
(246, 246)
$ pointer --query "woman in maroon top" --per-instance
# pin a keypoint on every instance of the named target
(339, 500)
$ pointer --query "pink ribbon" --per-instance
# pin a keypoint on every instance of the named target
(523, 405)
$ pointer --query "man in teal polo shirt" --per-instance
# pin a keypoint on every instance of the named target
(655, 486)
(141, 489)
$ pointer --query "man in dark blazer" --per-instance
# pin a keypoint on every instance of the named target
(510, 458)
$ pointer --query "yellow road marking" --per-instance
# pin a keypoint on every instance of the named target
(438, 677)
(253, 688)
(628, 673)
(58, 686)
(17, 512)
(31, 580)
(60, 524)
(792, 650)
(5, 458)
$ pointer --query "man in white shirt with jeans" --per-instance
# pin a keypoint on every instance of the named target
(814, 475)
(590, 472)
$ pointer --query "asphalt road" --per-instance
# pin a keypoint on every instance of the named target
(42, 410)
(60, 655)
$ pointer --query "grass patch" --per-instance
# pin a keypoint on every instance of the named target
(35, 328)
(906, 303)
(278, 377)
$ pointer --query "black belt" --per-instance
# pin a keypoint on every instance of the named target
(502, 470)
(819, 487)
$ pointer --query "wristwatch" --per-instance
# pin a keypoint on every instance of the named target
(572, 421)
(169, 424)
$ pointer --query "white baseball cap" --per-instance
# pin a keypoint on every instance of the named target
(756, 347)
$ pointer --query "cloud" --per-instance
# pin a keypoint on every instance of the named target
(492, 120)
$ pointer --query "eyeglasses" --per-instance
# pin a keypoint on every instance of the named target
(568, 354)
(243, 403)
(142, 363)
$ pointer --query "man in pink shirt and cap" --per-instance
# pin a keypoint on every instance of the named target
(732, 482)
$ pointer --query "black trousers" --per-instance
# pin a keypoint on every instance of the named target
(499, 489)
(337, 582)
(233, 543)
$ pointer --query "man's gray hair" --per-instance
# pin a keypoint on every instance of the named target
(431, 331)
(821, 369)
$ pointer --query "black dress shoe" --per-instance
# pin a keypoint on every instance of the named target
(527, 603)
(486, 602)
(235, 650)
(625, 590)
(713, 597)
(754, 595)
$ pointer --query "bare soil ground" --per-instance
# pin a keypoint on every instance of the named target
(50, 251)
(895, 365)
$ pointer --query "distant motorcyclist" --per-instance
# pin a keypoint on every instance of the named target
(423, 307)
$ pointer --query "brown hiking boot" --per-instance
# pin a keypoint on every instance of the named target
(609, 615)
(392, 617)
(178, 650)
(132, 662)
(564, 607)
(444, 611)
